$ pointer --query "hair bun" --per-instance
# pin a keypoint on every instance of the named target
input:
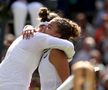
(44, 12)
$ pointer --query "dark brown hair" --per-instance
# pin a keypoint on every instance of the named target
(43, 14)
(67, 28)
(46, 15)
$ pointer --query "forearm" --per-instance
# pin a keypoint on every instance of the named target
(63, 45)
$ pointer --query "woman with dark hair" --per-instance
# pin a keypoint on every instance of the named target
(54, 67)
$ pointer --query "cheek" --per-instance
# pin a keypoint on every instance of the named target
(50, 32)
(42, 29)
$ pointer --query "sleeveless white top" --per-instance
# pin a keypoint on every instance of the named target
(49, 77)
(23, 56)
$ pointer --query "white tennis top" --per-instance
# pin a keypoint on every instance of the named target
(23, 57)
(49, 77)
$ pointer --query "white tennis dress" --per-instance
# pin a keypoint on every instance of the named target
(23, 57)
(49, 77)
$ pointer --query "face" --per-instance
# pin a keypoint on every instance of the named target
(52, 29)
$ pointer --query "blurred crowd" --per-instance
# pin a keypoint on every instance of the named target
(91, 15)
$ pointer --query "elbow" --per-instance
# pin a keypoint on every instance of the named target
(70, 51)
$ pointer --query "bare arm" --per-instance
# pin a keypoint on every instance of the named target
(60, 62)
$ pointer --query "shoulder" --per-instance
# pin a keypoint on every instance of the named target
(57, 51)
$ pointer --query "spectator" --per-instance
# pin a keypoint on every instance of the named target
(84, 53)
(99, 16)
(101, 32)
(3, 18)
(105, 47)
(99, 5)
(8, 39)
(105, 82)
(19, 10)
(96, 58)
(87, 28)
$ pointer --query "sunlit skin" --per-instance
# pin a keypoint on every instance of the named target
(52, 29)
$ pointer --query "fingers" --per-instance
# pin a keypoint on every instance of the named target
(27, 34)
(24, 33)
(34, 30)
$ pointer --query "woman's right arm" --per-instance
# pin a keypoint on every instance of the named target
(48, 41)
